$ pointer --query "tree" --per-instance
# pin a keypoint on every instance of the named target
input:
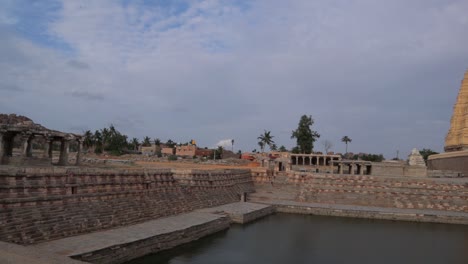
(327, 145)
(346, 140)
(88, 141)
(97, 138)
(304, 135)
(146, 142)
(219, 152)
(157, 142)
(262, 145)
(134, 143)
(170, 144)
(267, 139)
(282, 149)
(232, 145)
(425, 153)
(274, 147)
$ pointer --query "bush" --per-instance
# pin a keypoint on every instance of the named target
(172, 157)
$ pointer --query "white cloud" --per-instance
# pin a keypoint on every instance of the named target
(225, 143)
(359, 67)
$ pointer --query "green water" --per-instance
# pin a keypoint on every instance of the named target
(288, 238)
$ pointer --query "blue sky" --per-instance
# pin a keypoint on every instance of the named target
(384, 73)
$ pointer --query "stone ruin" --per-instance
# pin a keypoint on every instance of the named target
(416, 159)
(14, 128)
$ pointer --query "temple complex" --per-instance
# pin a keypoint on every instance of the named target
(457, 137)
(456, 142)
(21, 132)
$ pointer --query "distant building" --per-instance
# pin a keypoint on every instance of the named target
(166, 151)
(187, 150)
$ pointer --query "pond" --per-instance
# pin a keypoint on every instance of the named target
(289, 238)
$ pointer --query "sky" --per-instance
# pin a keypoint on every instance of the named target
(384, 73)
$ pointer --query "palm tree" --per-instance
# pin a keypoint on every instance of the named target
(267, 139)
(135, 143)
(88, 140)
(157, 142)
(232, 145)
(146, 142)
(346, 140)
(261, 144)
(97, 140)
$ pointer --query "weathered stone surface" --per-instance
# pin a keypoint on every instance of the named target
(379, 191)
(457, 137)
(25, 131)
(126, 243)
(241, 212)
(416, 159)
(38, 204)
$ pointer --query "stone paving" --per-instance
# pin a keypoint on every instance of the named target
(241, 212)
(82, 244)
(12, 254)
(234, 208)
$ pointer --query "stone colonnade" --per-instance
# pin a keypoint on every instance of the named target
(354, 167)
(314, 159)
(7, 139)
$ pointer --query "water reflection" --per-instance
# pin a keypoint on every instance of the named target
(286, 238)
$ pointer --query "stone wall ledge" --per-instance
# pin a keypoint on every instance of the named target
(370, 212)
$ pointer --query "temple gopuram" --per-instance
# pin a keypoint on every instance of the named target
(22, 142)
(456, 142)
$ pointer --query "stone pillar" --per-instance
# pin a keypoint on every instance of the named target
(2, 147)
(47, 141)
(340, 168)
(51, 149)
(25, 145)
(29, 146)
(64, 149)
(361, 170)
(78, 152)
(3, 151)
(351, 169)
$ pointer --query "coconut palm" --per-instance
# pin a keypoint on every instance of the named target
(346, 140)
(262, 145)
(135, 143)
(88, 140)
(146, 142)
(157, 142)
(232, 145)
(267, 139)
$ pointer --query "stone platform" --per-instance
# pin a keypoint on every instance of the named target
(12, 254)
(450, 161)
(126, 243)
(241, 212)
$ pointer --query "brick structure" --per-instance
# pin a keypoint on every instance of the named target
(49, 203)
(380, 191)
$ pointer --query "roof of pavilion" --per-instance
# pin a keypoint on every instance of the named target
(21, 124)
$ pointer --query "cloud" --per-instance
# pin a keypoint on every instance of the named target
(78, 64)
(216, 69)
(225, 143)
(12, 88)
(87, 95)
